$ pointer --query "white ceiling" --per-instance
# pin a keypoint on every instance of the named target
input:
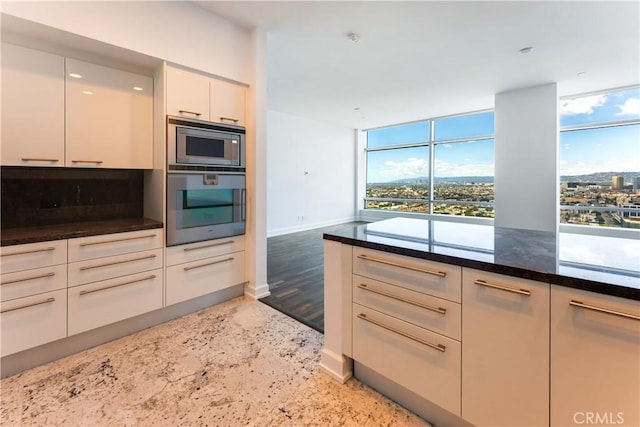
(422, 59)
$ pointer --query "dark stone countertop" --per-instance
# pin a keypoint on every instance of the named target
(18, 236)
(607, 265)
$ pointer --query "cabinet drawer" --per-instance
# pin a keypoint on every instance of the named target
(32, 282)
(95, 270)
(436, 314)
(33, 255)
(33, 321)
(102, 303)
(433, 278)
(202, 277)
(405, 353)
(85, 248)
(201, 250)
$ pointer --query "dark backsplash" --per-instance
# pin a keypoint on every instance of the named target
(47, 196)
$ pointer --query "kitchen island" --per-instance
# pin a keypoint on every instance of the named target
(466, 323)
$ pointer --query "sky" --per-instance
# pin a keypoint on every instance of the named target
(581, 152)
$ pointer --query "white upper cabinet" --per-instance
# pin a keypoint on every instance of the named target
(109, 117)
(227, 102)
(187, 94)
(32, 107)
(197, 96)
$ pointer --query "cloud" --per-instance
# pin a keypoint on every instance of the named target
(411, 168)
(445, 169)
(631, 107)
(584, 105)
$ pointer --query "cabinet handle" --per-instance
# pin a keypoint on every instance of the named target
(418, 304)
(229, 119)
(147, 236)
(89, 267)
(438, 347)
(6, 282)
(153, 276)
(208, 264)
(190, 112)
(48, 300)
(503, 288)
(88, 161)
(394, 264)
(33, 251)
(30, 159)
(212, 245)
(603, 310)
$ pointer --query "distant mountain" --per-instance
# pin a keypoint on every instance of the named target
(423, 180)
(600, 177)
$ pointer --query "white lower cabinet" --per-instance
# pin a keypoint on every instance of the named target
(422, 361)
(595, 359)
(505, 350)
(197, 278)
(114, 266)
(32, 321)
(108, 301)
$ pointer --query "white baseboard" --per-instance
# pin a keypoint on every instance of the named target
(337, 366)
(256, 292)
(310, 226)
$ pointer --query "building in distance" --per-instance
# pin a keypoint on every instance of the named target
(617, 182)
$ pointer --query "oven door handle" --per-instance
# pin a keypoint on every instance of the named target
(243, 197)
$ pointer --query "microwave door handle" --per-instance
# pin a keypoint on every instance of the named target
(243, 197)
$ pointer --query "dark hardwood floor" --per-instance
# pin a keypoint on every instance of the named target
(295, 273)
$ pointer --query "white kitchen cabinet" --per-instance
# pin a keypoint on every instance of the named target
(33, 291)
(227, 102)
(187, 94)
(505, 351)
(197, 96)
(595, 359)
(32, 107)
(197, 278)
(113, 277)
(109, 117)
(196, 251)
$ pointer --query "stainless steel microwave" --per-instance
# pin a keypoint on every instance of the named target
(199, 143)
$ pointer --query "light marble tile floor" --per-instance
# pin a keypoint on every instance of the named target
(240, 363)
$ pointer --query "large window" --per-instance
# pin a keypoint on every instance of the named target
(600, 159)
(442, 166)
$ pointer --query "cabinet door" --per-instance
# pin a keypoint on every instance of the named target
(227, 102)
(187, 94)
(505, 350)
(595, 359)
(32, 107)
(109, 117)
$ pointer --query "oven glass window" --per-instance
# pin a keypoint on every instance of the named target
(206, 207)
(204, 147)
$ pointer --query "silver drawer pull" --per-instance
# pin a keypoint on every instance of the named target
(502, 288)
(89, 267)
(229, 119)
(438, 347)
(146, 236)
(208, 264)
(29, 159)
(20, 307)
(418, 304)
(603, 310)
(153, 276)
(421, 270)
(6, 282)
(33, 251)
(190, 112)
(212, 245)
(88, 161)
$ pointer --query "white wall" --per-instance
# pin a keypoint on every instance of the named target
(526, 158)
(310, 173)
(174, 31)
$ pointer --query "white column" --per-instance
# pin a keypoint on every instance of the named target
(526, 158)
(256, 249)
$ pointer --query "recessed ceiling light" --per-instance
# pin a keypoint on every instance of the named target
(138, 88)
(87, 92)
(75, 75)
(528, 49)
